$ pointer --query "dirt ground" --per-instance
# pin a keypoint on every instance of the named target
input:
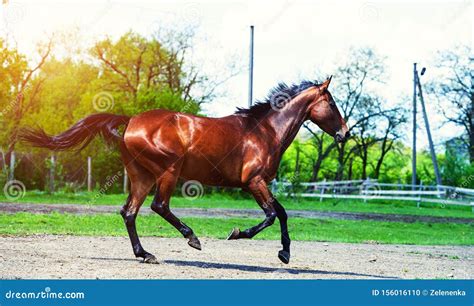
(48, 256)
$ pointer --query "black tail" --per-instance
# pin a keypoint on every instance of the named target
(80, 134)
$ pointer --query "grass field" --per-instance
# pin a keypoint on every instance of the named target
(300, 229)
(222, 201)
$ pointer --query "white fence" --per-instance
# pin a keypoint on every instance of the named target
(371, 190)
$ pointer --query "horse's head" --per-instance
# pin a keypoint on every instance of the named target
(323, 112)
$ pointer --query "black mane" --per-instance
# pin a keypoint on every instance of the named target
(277, 98)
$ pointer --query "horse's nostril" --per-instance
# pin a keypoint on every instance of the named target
(348, 134)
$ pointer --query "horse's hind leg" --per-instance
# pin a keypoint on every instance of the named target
(141, 183)
(164, 188)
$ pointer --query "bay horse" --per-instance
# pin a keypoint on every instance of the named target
(242, 150)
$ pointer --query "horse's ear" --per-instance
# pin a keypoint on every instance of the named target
(325, 85)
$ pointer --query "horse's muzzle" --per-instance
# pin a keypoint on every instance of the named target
(342, 137)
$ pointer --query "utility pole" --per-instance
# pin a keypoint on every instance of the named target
(251, 67)
(413, 154)
(428, 131)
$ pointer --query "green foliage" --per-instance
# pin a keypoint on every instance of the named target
(13, 66)
(455, 167)
(134, 74)
(166, 99)
(128, 76)
(396, 166)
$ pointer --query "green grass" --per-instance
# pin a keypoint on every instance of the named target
(223, 201)
(300, 229)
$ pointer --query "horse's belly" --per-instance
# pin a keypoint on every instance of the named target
(211, 172)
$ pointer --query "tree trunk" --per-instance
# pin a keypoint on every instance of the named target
(340, 160)
(385, 149)
(364, 162)
(471, 145)
(316, 168)
(349, 173)
(378, 166)
(297, 165)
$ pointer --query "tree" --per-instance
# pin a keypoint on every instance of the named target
(371, 120)
(455, 165)
(355, 97)
(323, 145)
(144, 72)
(454, 90)
(395, 119)
(138, 73)
(22, 91)
(364, 139)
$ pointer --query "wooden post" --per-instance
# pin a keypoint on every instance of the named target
(4, 164)
(11, 175)
(365, 183)
(51, 174)
(125, 180)
(89, 174)
(323, 186)
(419, 196)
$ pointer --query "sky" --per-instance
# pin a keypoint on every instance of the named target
(293, 39)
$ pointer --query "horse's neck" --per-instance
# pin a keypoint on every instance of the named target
(287, 121)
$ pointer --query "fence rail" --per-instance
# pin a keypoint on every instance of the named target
(372, 190)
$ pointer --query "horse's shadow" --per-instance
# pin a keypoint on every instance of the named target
(258, 269)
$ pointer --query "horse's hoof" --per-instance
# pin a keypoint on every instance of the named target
(284, 256)
(234, 234)
(194, 243)
(150, 259)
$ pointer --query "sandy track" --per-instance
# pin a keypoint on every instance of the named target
(49, 256)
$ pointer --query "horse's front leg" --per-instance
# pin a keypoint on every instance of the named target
(272, 209)
(284, 254)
